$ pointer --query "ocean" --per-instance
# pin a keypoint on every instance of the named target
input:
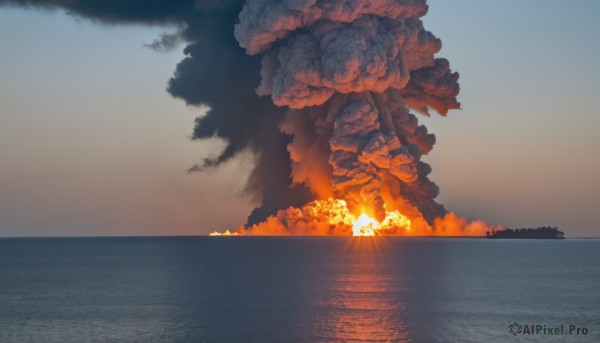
(298, 289)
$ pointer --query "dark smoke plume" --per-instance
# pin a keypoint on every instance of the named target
(217, 73)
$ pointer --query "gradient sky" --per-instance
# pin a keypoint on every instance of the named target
(92, 144)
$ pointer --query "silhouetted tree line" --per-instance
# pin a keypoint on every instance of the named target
(544, 232)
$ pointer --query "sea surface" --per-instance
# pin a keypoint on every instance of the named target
(296, 289)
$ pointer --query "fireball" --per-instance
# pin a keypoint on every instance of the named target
(364, 226)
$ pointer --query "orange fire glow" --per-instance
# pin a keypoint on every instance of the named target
(332, 217)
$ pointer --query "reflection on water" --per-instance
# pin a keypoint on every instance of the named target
(294, 289)
(362, 301)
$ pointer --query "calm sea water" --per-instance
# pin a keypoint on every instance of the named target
(201, 289)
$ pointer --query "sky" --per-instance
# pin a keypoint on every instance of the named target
(92, 144)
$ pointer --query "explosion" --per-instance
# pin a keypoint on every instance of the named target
(332, 217)
(349, 72)
(364, 226)
(326, 217)
(323, 93)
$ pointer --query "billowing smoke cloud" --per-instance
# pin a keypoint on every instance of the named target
(321, 91)
(354, 68)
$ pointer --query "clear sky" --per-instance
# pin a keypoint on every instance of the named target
(92, 144)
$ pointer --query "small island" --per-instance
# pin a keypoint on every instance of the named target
(545, 232)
